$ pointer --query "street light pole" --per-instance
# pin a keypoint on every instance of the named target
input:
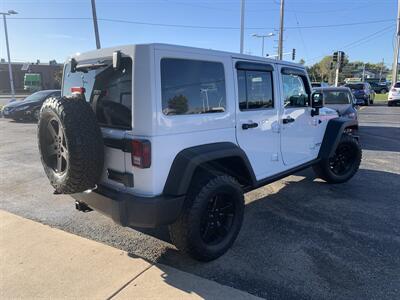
(263, 36)
(10, 12)
(242, 26)
(96, 28)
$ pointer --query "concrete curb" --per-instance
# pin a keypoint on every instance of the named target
(38, 261)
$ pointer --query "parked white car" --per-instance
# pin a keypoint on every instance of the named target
(394, 95)
(159, 134)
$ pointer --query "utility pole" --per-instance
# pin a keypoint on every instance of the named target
(242, 26)
(396, 51)
(280, 45)
(381, 71)
(10, 12)
(96, 28)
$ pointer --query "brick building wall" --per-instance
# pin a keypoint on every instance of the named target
(46, 71)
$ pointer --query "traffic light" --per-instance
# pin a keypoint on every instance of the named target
(335, 56)
(341, 58)
(293, 54)
(331, 66)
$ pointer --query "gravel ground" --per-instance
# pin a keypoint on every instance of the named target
(301, 237)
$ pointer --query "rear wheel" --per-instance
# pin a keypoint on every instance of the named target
(343, 164)
(383, 91)
(212, 218)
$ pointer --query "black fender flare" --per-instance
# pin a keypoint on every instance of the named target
(333, 133)
(187, 160)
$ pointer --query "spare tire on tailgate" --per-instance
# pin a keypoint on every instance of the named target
(70, 144)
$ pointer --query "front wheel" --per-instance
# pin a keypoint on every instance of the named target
(212, 218)
(344, 163)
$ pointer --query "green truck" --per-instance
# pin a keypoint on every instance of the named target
(32, 82)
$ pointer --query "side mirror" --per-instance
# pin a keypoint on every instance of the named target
(73, 63)
(116, 59)
(317, 100)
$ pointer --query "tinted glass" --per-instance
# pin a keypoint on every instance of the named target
(38, 96)
(337, 97)
(355, 86)
(397, 85)
(255, 89)
(294, 91)
(192, 87)
(109, 91)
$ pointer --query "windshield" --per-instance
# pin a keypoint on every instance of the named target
(355, 86)
(337, 97)
(38, 96)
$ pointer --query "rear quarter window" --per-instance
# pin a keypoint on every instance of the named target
(192, 87)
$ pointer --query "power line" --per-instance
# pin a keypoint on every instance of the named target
(360, 41)
(201, 27)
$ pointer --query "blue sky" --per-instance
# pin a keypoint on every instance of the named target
(46, 39)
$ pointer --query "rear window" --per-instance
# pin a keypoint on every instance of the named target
(397, 85)
(192, 87)
(337, 97)
(109, 91)
(355, 86)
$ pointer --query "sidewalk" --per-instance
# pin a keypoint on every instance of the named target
(37, 261)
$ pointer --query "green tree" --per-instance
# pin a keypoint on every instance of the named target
(302, 61)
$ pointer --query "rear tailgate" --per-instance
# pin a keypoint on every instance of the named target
(116, 156)
(109, 92)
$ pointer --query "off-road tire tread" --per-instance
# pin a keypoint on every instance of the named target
(180, 230)
(323, 171)
(84, 143)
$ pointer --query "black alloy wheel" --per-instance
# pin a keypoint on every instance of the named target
(343, 160)
(217, 219)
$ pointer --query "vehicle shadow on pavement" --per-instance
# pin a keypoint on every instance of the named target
(310, 239)
(380, 138)
(24, 121)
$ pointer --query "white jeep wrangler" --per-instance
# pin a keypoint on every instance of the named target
(167, 135)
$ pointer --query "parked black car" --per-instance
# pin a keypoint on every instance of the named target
(363, 92)
(379, 88)
(29, 108)
(340, 99)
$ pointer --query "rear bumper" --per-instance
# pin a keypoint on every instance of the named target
(129, 210)
(394, 101)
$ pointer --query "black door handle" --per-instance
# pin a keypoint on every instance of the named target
(289, 119)
(249, 125)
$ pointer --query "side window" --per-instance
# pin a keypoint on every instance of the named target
(192, 87)
(255, 90)
(294, 91)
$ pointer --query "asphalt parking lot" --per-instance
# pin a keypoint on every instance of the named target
(301, 237)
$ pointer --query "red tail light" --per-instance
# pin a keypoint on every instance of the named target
(393, 90)
(78, 90)
(141, 153)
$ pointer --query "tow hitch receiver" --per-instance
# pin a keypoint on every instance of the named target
(81, 206)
